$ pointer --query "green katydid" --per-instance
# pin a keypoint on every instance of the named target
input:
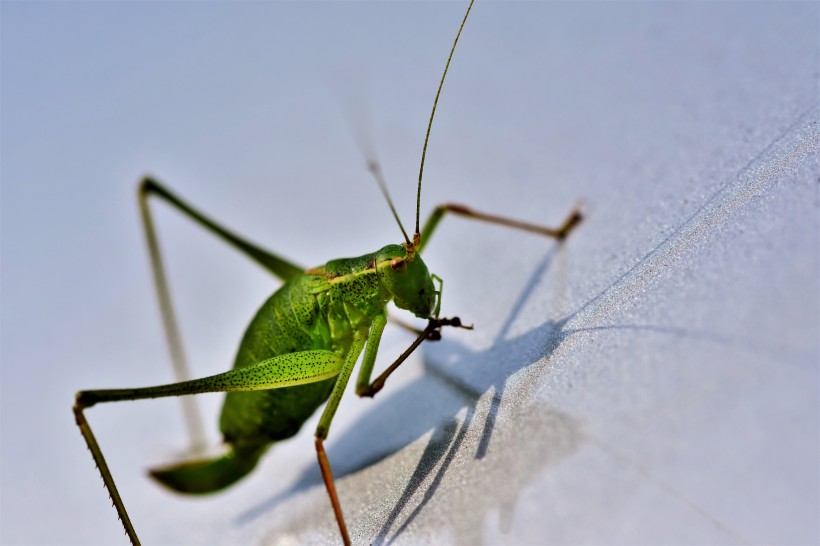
(301, 347)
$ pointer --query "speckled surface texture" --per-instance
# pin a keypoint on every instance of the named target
(653, 380)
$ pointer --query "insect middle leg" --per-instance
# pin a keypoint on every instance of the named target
(560, 233)
(322, 430)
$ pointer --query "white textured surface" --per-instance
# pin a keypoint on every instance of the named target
(653, 380)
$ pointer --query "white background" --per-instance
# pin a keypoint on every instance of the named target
(653, 380)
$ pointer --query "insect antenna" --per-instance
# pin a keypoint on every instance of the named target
(417, 235)
(363, 140)
(376, 171)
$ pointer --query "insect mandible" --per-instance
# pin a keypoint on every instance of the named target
(300, 349)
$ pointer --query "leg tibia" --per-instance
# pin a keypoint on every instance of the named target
(108, 480)
(327, 476)
(559, 233)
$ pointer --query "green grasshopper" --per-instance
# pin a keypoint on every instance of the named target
(301, 347)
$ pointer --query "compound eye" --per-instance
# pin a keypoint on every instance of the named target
(398, 264)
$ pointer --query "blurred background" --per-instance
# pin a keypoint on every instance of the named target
(652, 380)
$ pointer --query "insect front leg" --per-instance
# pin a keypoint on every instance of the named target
(432, 332)
(369, 360)
(560, 233)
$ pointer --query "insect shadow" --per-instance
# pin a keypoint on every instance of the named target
(459, 381)
(440, 396)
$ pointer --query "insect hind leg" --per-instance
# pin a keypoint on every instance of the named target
(278, 266)
(102, 466)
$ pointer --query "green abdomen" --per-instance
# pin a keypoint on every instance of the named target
(293, 319)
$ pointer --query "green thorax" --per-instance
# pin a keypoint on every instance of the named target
(320, 309)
